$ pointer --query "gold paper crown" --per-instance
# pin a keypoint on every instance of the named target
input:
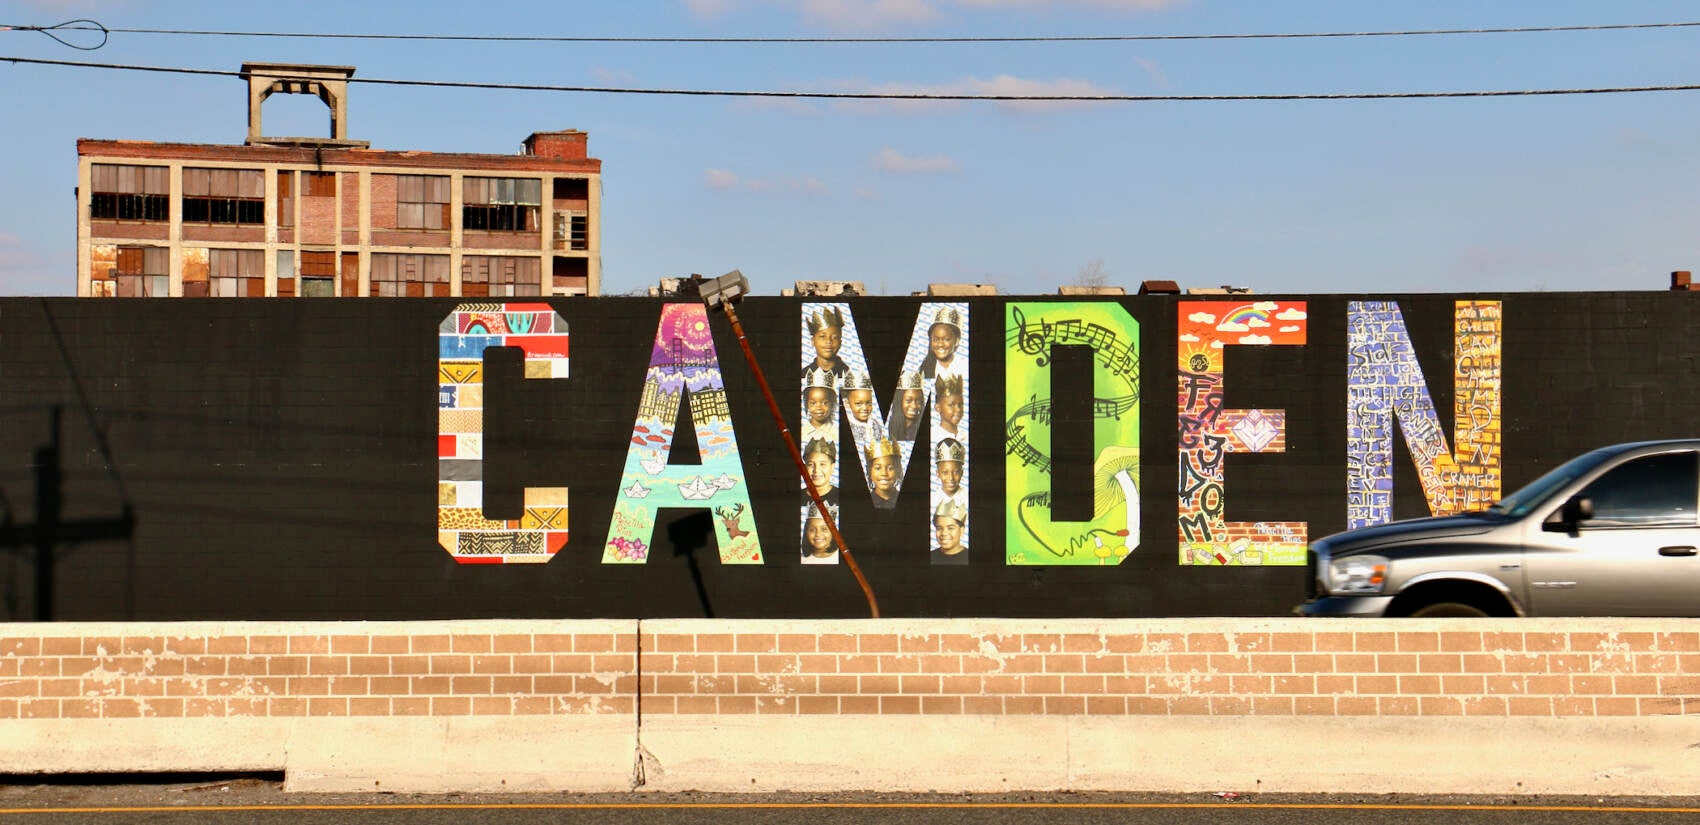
(810, 512)
(948, 385)
(950, 450)
(821, 446)
(910, 381)
(881, 447)
(815, 377)
(948, 315)
(858, 381)
(829, 317)
(951, 509)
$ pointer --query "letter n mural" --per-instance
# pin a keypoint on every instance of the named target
(1385, 384)
(1208, 432)
(462, 528)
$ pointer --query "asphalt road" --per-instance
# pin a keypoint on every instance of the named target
(262, 801)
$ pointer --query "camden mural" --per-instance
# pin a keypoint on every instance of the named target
(1019, 456)
(838, 396)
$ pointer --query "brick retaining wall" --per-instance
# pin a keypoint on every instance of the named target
(1212, 667)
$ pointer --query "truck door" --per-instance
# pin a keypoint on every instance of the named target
(1639, 555)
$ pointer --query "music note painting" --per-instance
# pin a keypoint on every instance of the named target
(1032, 535)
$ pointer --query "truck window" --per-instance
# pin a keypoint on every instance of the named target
(1653, 490)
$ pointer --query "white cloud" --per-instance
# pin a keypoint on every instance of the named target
(1127, 6)
(1216, 344)
(27, 269)
(722, 179)
(613, 77)
(1153, 72)
(1232, 326)
(1265, 306)
(15, 255)
(1291, 314)
(1255, 339)
(1189, 337)
(891, 160)
(1256, 322)
(867, 14)
(1201, 318)
(711, 8)
(1291, 328)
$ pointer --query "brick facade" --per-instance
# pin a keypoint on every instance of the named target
(1490, 668)
(353, 216)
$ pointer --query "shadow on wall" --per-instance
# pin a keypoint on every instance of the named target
(49, 537)
(688, 534)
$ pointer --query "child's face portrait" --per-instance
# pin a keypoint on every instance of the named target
(950, 411)
(827, 340)
(943, 339)
(820, 471)
(913, 401)
(883, 473)
(819, 403)
(950, 477)
(948, 532)
(818, 536)
(861, 404)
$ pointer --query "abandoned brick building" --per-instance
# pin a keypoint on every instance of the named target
(302, 216)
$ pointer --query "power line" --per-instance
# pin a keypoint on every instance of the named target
(854, 40)
(922, 96)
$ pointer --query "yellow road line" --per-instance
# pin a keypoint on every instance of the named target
(590, 806)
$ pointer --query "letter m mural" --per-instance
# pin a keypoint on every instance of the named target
(1385, 384)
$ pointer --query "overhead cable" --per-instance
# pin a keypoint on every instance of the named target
(914, 96)
(854, 40)
(68, 26)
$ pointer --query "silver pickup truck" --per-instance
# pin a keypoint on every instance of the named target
(1609, 533)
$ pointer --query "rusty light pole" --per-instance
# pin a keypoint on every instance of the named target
(722, 293)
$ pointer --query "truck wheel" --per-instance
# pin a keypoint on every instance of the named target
(1448, 610)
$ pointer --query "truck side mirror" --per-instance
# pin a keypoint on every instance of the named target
(1575, 511)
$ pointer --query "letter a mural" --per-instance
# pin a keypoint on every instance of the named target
(683, 365)
(462, 528)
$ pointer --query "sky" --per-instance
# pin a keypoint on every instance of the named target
(1530, 193)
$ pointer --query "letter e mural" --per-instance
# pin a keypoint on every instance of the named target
(1208, 432)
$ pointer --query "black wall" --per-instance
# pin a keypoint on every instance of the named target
(201, 459)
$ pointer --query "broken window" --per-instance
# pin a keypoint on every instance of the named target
(407, 275)
(144, 272)
(285, 198)
(503, 275)
(581, 232)
(501, 204)
(422, 202)
(129, 193)
(237, 273)
(224, 196)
